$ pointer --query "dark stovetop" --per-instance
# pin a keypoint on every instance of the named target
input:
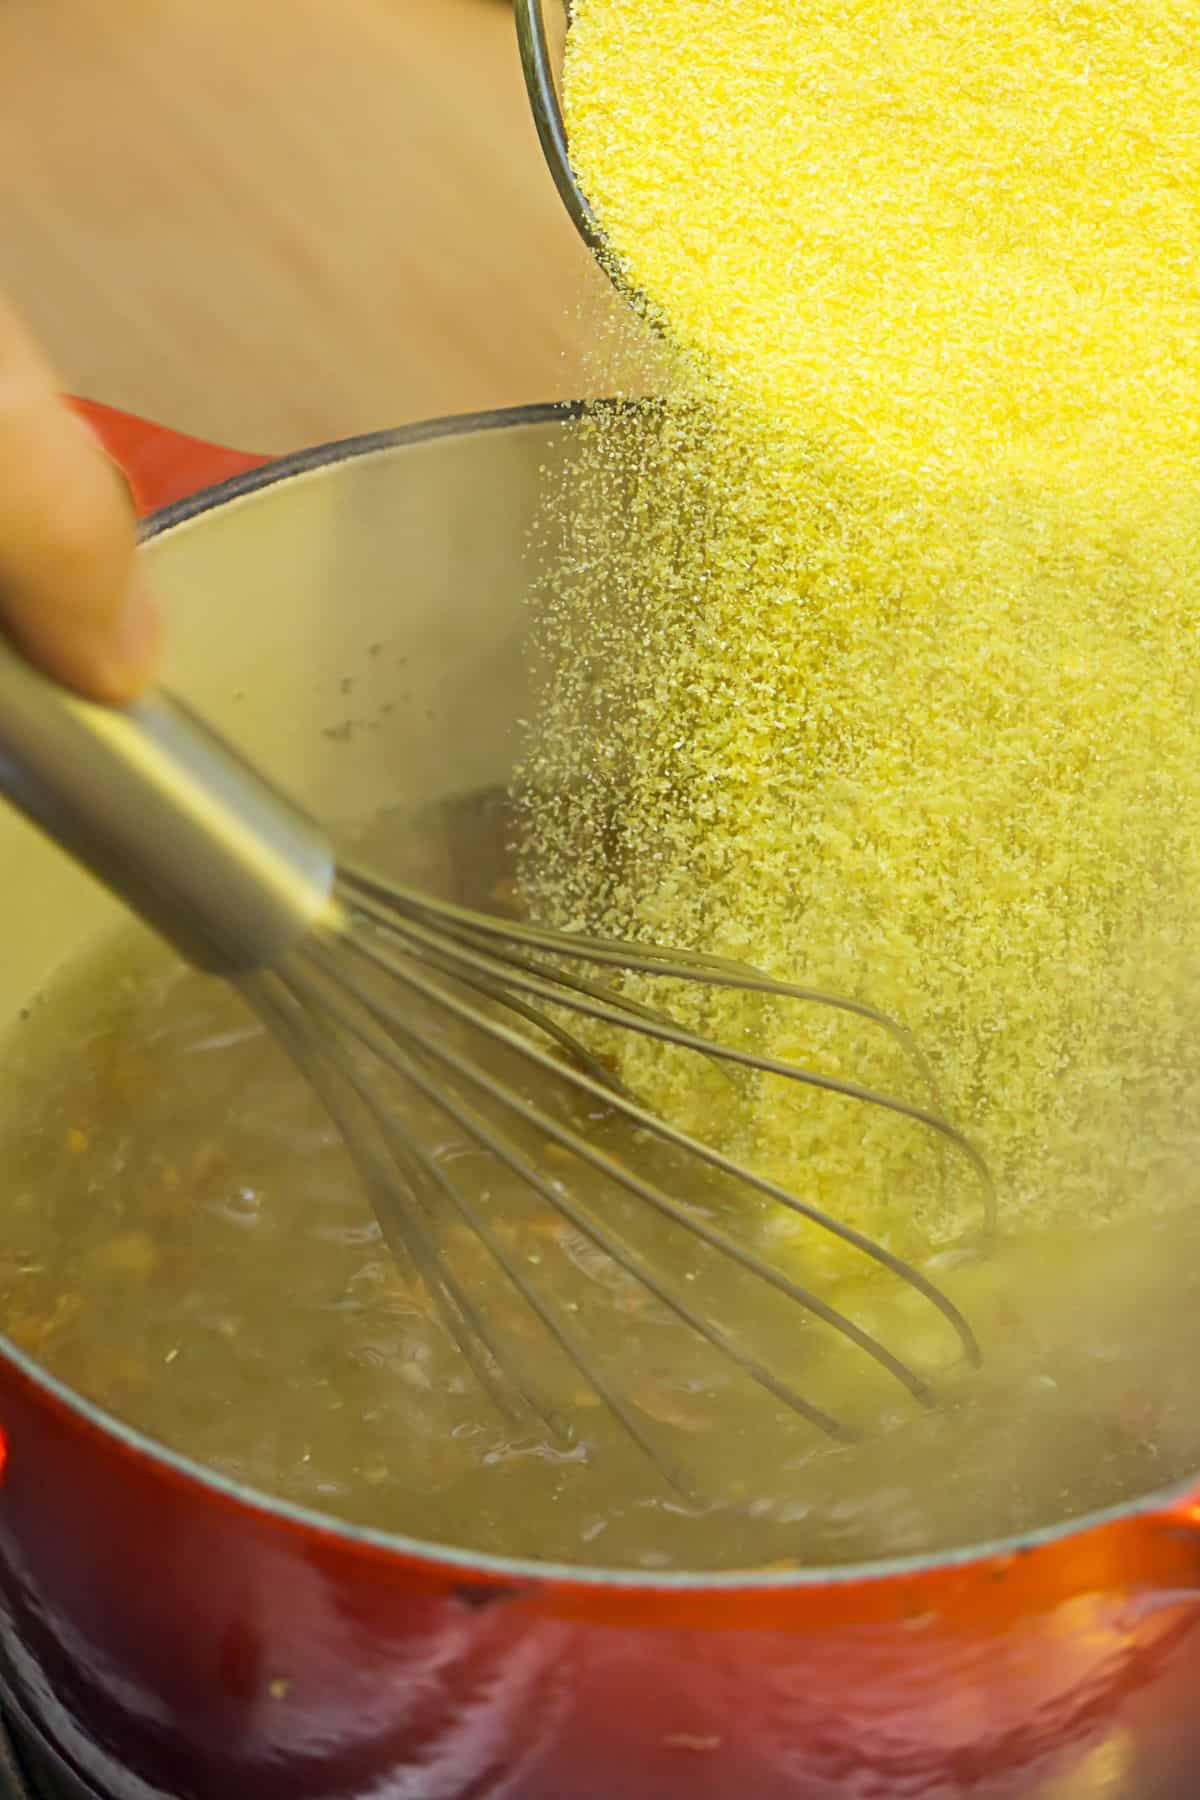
(13, 1785)
(27, 1767)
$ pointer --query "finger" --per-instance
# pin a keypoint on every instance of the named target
(70, 594)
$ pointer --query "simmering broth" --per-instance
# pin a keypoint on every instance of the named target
(185, 1242)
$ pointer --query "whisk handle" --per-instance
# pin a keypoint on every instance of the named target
(168, 817)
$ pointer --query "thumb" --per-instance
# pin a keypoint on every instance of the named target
(70, 595)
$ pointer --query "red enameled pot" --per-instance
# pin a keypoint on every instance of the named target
(353, 617)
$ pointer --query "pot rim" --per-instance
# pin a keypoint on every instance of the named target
(447, 1557)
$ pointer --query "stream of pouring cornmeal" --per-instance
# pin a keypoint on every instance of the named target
(886, 679)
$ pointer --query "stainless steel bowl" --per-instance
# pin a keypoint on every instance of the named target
(542, 27)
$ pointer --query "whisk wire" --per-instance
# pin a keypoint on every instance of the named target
(392, 902)
(406, 974)
(378, 1042)
(533, 1015)
(621, 1253)
(612, 1009)
(629, 1179)
(407, 1238)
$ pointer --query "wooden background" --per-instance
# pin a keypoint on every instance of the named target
(271, 222)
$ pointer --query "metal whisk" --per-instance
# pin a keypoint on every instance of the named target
(376, 989)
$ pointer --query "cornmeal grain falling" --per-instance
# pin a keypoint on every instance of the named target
(887, 678)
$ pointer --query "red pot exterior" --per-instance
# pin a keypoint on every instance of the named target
(160, 466)
(154, 1625)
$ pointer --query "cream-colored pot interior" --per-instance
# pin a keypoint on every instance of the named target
(355, 625)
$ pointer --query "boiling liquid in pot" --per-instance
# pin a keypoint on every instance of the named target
(185, 1242)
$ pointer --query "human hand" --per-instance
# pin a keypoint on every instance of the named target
(71, 596)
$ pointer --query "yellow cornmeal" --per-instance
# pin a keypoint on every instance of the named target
(957, 241)
(876, 661)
